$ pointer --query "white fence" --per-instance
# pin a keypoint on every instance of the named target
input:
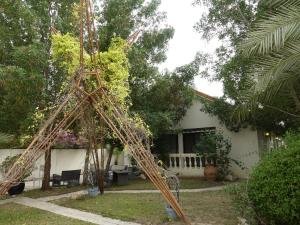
(186, 164)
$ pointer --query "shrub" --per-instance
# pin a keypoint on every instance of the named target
(8, 163)
(241, 202)
(7, 140)
(274, 185)
(216, 149)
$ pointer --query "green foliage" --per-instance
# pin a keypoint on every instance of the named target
(165, 102)
(263, 118)
(113, 63)
(6, 140)
(30, 127)
(223, 110)
(226, 19)
(53, 59)
(242, 203)
(65, 49)
(117, 19)
(274, 186)
(274, 29)
(159, 99)
(250, 25)
(229, 20)
(12, 31)
(20, 95)
(216, 149)
(28, 79)
(114, 68)
(273, 42)
(9, 161)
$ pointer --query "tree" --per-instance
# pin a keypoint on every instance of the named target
(273, 43)
(160, 99)
(115, 19)
(231, 20)
(25, 46)
(19, 97)
(26, 69)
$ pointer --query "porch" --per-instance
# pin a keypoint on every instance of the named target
(186, 164)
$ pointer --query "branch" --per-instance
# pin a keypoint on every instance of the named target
(242, 15)
(281, 110)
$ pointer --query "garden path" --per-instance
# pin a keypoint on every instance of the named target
(44, 204)
(68, 212)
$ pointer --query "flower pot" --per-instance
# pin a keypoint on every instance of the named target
(171, 213)
(17, 189)
(93, 192)
(210, 172)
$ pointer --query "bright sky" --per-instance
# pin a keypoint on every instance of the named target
(186, 41)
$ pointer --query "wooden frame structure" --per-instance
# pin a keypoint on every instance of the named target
(99, 99)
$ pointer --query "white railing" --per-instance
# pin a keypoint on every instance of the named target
(186, 164)
(184, 160)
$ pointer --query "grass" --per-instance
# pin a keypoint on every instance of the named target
(14, 214)
(185, 183)
(3, 197)
(139, 184)
(212, 207)
(37, 193)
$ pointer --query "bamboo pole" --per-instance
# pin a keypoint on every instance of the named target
(142, 156)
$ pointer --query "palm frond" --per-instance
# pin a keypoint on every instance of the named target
(272, 32)
(251, 101)
(280, 3)
(274, 43)
(277, 67)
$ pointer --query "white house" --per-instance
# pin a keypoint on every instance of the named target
(246, 144)
(246, 147)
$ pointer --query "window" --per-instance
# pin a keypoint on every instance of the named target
(167, 143)
(192, 136)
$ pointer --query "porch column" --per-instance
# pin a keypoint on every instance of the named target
(180, 143)
(180, 151)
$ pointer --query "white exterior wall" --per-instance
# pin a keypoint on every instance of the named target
(61, 159)
(245, 146)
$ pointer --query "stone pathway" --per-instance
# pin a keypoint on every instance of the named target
(44, 204)
(68, 212)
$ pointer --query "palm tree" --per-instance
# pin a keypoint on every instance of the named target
(274, 46)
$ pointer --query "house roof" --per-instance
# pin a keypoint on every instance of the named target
(203, 95)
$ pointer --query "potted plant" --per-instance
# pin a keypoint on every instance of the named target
(214, 150)
(18, 188)
(206, 149)
(93, 191)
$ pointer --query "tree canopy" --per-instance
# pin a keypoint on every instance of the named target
(235, 23)
(39, 54)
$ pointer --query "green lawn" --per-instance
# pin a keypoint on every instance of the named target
(185, 183)
(207, 207)
(14, 214)
(37, 193)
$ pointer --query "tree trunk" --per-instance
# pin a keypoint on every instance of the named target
(111, 151)
(101, 175)
(97, 168)
(47, 168)
(85, 180)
